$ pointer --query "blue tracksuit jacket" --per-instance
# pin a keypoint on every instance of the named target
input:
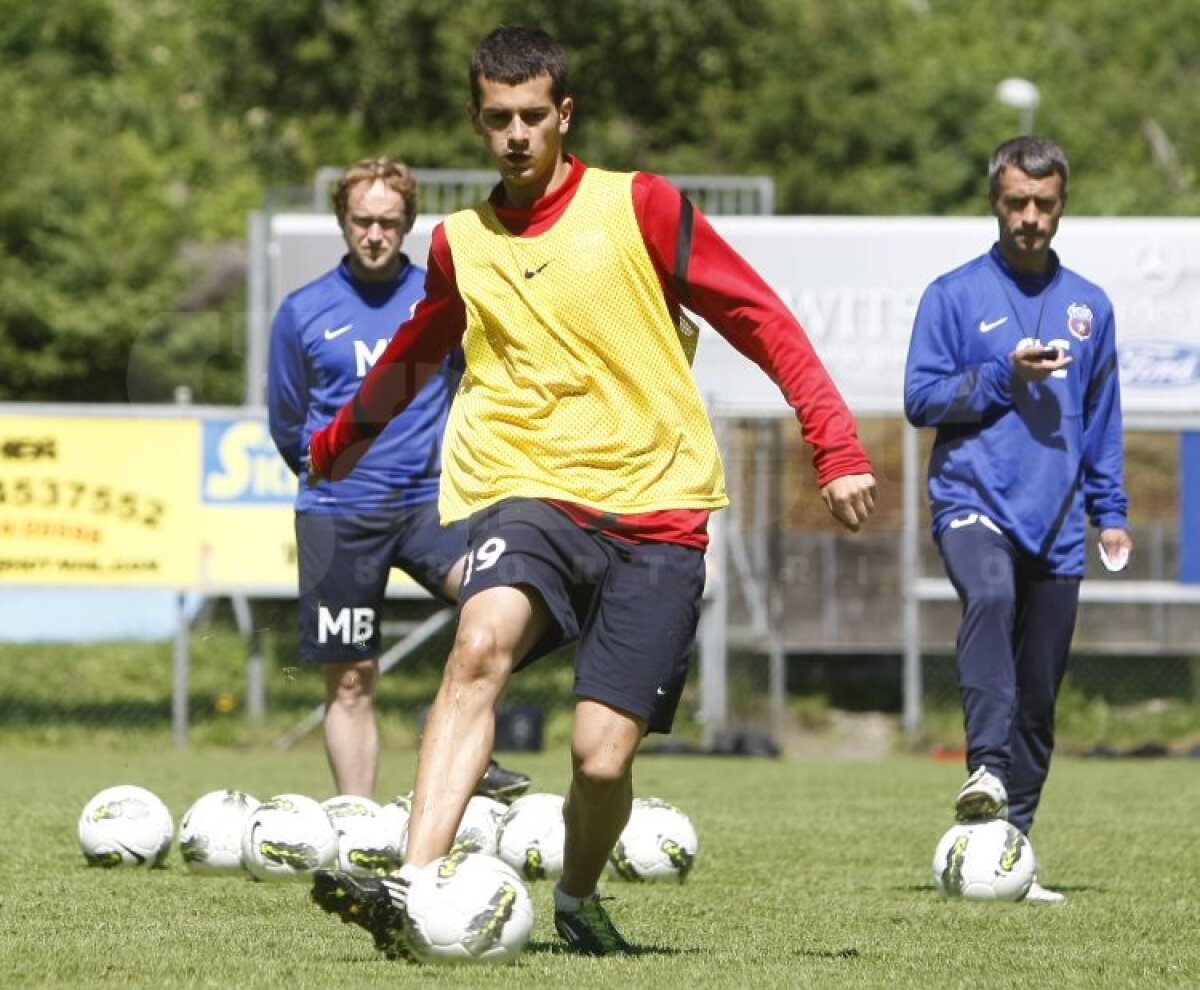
(1037, 459)
(324, 339)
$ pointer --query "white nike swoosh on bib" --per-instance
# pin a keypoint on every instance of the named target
(334, 334)
(984, 326)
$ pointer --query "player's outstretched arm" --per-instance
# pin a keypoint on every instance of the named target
(413, 356)
(851, 499)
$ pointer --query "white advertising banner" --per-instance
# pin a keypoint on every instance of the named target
(855, 282)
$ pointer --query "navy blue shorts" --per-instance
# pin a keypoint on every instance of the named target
(345, 562)
(633, 607)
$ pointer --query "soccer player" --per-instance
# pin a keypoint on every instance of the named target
(350, 533)
(1013, 359)
(580, 453)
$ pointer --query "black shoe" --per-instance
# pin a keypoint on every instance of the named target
(373, 903)
(589, 931)
(500, 784)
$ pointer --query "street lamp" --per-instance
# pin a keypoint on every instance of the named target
(1022, 95)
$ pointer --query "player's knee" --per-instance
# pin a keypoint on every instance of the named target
(992, 598)
(601, 765)
(601, 771)
(477, 656)
(350, 686)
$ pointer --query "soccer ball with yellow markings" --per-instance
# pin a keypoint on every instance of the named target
(983, 861)
(210, 834)
(368, 842)
(658, 843)
(531, 836)
(468, 908)
(125, 825)
(288, 837)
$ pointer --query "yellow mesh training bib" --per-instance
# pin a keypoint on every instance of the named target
(577, 387)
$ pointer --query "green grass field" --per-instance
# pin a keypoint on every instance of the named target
(809, 874)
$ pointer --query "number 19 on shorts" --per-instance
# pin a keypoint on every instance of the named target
(484, 556)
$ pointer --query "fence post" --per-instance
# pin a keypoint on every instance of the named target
(256, 693)
(179, 681)
(910, 572)
(714, 619)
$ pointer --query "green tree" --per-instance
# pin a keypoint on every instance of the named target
(109, 167)
(136, 137)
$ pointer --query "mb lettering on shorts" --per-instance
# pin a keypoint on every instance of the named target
(351, 626)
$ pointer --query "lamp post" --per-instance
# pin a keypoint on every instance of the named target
(1021, 95)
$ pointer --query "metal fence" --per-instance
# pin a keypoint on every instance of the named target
(801, 623)
(444, 190)
(806, 611)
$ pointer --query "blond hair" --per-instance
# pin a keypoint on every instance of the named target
(392, 173)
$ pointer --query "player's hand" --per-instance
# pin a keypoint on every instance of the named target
(1035, 362)
(312, 476)
(851, 499)
(1115, 547)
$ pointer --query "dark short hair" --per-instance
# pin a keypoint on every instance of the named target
(515, 54)
(1035, 156)
(391, 172)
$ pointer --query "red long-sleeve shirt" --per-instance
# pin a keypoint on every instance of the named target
(718, 285)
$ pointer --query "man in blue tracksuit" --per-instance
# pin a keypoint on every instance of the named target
(349, 534)
(1013, 360)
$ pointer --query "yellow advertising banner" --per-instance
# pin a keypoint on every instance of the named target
(202, 502)
(98, 501)
(247, 537)
(246, 533)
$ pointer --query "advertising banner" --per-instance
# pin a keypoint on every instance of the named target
(245, 521)
(197, 501)
(855, 282)
(98, 501)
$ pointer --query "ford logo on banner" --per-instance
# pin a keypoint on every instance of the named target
(1159, 364)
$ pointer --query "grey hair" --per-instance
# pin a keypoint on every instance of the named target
(1034, 156)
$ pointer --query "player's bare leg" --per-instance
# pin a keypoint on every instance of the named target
(495, 627)
(351, 733)
(497, 782)
(452, 582)
(597, 808)
(603, 745)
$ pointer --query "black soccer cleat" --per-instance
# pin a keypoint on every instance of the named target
(500, 784)
(373, 903)
(589, 931)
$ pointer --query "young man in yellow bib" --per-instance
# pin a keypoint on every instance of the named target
(580, 452)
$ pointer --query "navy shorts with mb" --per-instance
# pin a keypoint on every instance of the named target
(633, 607)
(345, 562)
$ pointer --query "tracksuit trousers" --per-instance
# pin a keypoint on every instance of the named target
(1012, 646)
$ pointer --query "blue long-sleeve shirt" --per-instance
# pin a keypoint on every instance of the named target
(325, 338)
(1038, 459)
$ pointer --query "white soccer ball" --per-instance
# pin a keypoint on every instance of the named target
(288, 837)
(531, 836)
(125, 825)
(479, 829)
(659, 842)
(396, 813)
(984, 861)
(368, 845)
(210, 833)
(468, 908)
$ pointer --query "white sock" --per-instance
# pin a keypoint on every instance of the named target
(397, 885)
(565, 902)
